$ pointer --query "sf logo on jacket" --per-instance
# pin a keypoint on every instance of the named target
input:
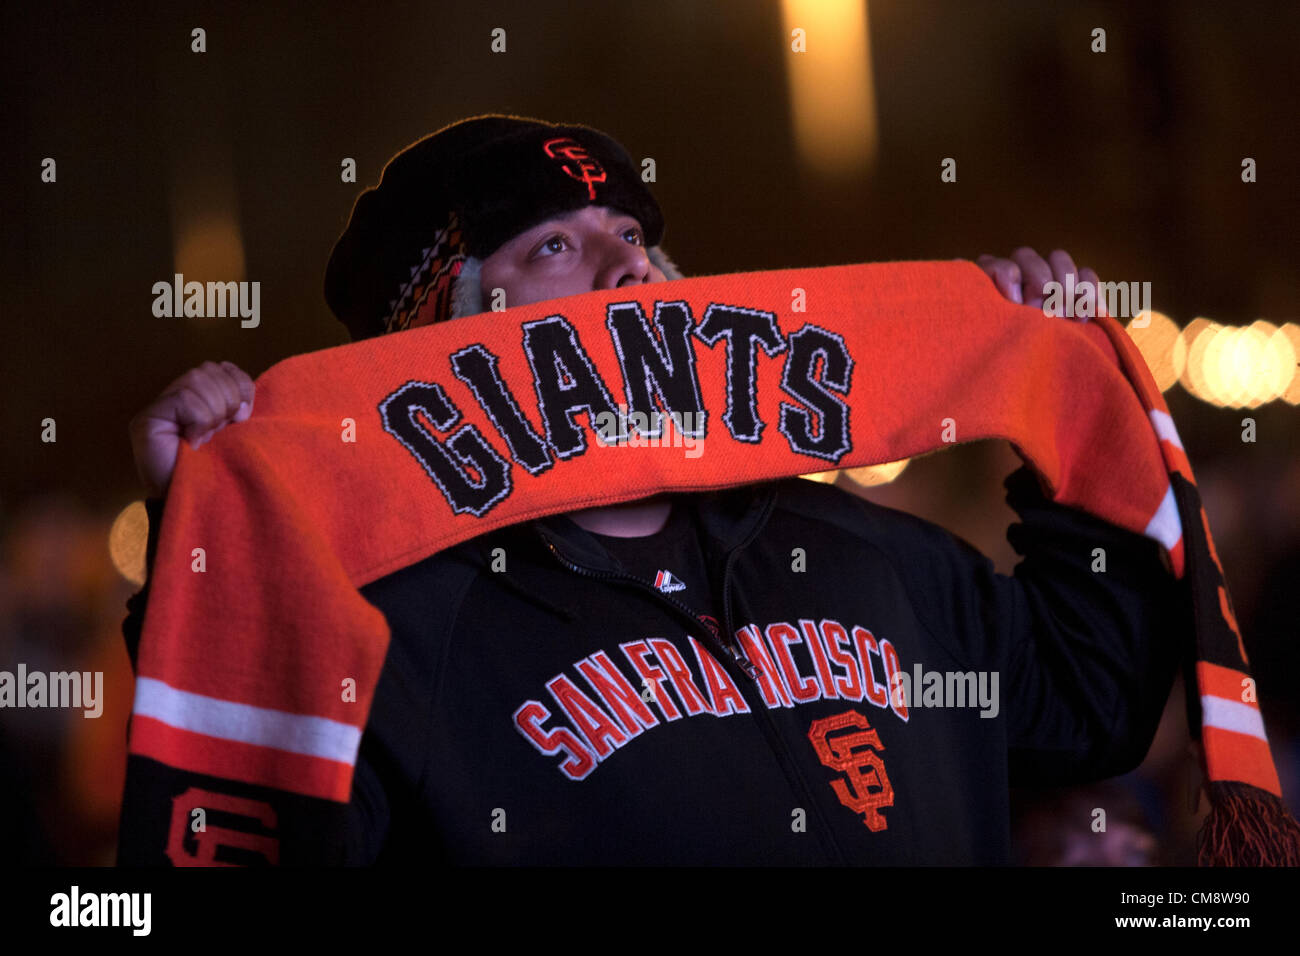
(865, 787)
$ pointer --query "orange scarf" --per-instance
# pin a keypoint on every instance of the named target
(259, 657)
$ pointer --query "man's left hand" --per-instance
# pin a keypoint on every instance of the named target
(1022, 277)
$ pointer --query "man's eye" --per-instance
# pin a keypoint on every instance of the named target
(552, 244)
(636, 238)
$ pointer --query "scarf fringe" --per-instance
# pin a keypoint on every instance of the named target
(1247, 827)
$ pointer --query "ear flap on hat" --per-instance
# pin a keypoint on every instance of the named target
(666, 265)
(467, 294)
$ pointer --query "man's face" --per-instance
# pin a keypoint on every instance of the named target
(586, 250)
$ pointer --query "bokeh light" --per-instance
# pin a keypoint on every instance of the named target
(1161, 343)
(127, 541)
(832, 96)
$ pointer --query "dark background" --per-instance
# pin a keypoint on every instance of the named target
(1130, 160)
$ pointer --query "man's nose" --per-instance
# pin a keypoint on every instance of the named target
(621, 264)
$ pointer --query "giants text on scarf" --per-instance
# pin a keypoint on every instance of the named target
(658, 370)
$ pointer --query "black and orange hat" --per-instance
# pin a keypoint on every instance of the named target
(449, 200)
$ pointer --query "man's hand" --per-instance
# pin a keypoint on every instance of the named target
(1022, 277)
(196, 406)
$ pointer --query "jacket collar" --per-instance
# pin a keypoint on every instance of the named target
(728, 518)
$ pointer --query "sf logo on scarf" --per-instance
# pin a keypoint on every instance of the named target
(194, 843)
(866, 787)
(580, 166)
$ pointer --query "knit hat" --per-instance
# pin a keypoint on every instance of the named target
(414, 244)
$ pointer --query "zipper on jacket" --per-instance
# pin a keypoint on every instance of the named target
(715, 640)
(825, 831)
(727, 621)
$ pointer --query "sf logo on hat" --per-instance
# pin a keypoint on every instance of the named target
(580, 165)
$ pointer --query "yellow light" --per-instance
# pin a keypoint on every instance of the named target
(1279, 361)
(1161, 344)
(1240, 366)
(1254, 365)
(881, 474)
(1218, 367)
(1237, 366)
(206, 238)
(1198, 334)
(831, 89)
(210, 249)
(1291, 392)
(127, 540)
(826, 477)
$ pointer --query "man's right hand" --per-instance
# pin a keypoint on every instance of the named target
(196, 406)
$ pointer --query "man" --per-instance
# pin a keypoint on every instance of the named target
(657, 682)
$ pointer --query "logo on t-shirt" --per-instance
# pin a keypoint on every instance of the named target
(665, 582)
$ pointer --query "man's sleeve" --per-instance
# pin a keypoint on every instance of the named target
(1086, 633)
(172, 817)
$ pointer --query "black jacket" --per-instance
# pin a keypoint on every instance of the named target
(514, 721)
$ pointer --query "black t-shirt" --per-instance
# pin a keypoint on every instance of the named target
(672, 560)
